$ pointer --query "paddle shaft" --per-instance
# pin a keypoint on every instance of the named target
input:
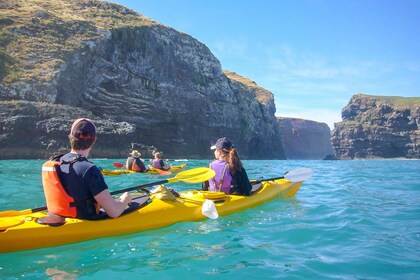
(265, 180)
(140, 187)
(43, 208)
(297, 175)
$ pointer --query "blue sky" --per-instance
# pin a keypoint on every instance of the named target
(313, 55)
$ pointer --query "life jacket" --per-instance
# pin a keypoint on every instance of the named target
(132, 165)
(156, 163)
(59, 202)
(135, 166)
(223, 170)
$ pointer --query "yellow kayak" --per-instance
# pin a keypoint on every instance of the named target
(174, 169)
(20, 231)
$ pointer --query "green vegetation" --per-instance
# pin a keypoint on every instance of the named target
(262, 95)
(9, 66)
(397, 102)
(36, 36)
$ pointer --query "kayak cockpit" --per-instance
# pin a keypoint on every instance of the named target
(138, 201)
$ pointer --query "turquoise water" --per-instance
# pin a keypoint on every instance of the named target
(351, 220)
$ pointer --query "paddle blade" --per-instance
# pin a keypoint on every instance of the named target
(299, 175)
(196, 175)
(209, 209)
(118, 164)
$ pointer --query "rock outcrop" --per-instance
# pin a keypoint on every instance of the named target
(304, 139)
(378, 127)
(140, 81)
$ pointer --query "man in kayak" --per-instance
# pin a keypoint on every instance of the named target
(73, 186)
(135, 163)
(231, 177)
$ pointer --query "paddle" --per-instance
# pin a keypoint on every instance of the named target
(118, 164)
(298, 175)
(192, 176)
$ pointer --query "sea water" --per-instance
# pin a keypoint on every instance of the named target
(351, 220)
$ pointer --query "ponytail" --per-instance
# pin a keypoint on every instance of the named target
(234, 161)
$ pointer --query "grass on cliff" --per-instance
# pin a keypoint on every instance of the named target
(263, 96)
(37, 35)
(397, 102)
(402, 102)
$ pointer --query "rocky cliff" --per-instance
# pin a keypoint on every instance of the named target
(140, 81)
(378, 127)
(304, 139)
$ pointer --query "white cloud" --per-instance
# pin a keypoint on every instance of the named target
(233, 48)
(413, 66)
(312, 66)
(310, 85)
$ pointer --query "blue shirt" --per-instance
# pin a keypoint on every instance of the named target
(82, 180)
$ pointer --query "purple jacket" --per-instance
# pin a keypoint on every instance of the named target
(216, 184)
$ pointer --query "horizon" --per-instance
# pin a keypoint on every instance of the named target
(336, 48)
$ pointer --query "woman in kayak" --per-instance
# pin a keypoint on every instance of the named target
(135, 163)
(231, 177)
(73, 186)
(158, 162)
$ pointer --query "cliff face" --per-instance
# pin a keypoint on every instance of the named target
(378, 127)
(304, 139)
(140, 82)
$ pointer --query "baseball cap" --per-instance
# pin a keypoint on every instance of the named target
(83, 129)
(222, 143)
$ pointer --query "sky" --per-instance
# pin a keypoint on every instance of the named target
(313, 55)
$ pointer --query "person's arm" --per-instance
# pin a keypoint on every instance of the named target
(142, 166)
(243, 182)
(165, 165)
(113, 207)
(247, 183)
(205, 186)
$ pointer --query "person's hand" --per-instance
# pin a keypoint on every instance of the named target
(126, 198)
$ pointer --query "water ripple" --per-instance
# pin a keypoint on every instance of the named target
(351, 220)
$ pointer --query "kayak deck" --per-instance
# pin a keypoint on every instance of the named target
(15, 229)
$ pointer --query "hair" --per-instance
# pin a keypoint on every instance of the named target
(232, 159)
(81, 144)
(158, 155)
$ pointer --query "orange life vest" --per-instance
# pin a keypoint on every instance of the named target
(135, 166)
(59, 202)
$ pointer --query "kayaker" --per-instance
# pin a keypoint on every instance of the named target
(135, 163)
(74, 186)
(158, 162)
(231, 177)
